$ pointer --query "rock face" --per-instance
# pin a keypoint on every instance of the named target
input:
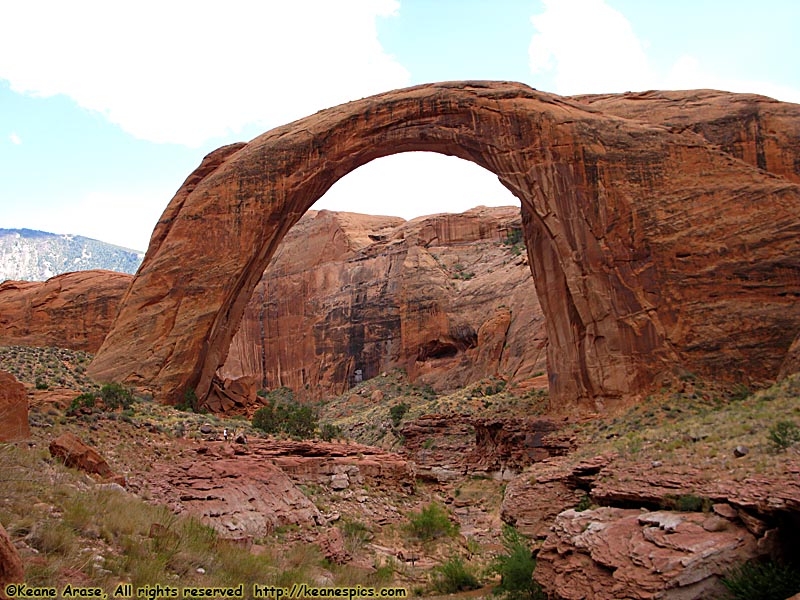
(612, 553)
(447, 448)
(11, 569)
(13, 409)
(347, 293)
(74, 453)
(250, 491)
(74, 310)
(651, 247)
(634, 545)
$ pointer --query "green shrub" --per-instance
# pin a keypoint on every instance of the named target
(190, 401)
(41, 384)
(85, 400)
(762, 581)
(453, 576)
(515, 567)
(688, 503)
(116, 395)
(282, 414)
(783, 435)
(430, 523)
(397, 412)
(585, 503)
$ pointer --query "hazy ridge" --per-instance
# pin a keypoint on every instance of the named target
(31, 255)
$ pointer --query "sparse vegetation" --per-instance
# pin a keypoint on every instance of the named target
(281, 413)
(762, 581)
(430, 523)
(453, 576)
(515, 568)
(783, 435)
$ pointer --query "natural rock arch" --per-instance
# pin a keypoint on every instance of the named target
(638, 236)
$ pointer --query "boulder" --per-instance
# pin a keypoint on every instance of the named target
(70, 450)
(11, 569)
(13, 409)
(612, 553)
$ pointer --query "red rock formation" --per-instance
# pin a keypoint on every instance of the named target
(13, 409)
(758, 130)
(612, 553)
(448, 447)
(650, 247)
(252, 492)
(74, 453)
(11, 569)
(73, 310)
(349, 292)
(237, 495)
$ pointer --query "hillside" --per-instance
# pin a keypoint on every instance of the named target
(30, 255)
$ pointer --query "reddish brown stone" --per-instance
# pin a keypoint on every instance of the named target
(11, 569)
(651, 247)
(252, 494)
(347, 292)
(74, 453)
(612, 553)
(13, 409)
(73, 310)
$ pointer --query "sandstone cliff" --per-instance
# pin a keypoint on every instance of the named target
(73, 310)
(348, 293)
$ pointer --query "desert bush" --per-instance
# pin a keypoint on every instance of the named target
(85, 400)
(281, 413)
(783, 435)
(762, 581)
(397, 412)
(116, 395)
(430, 523)
(687, 503)
(515, 567)
(190, 401)
(453, 576)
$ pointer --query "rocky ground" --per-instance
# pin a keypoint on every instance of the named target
(658, 502)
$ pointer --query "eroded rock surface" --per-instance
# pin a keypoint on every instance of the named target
(249, 490)
(448, 447)
(11, 569)
(13, 409)
(612, 553)
(650, 246)
(73, 310)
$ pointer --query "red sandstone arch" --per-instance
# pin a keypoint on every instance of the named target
(650, 248)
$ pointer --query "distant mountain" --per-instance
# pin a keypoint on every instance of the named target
(30, 255)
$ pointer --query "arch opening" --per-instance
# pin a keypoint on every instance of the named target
(446, 296)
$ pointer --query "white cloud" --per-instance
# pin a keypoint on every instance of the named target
(589, 47)
(416, 183)
(15, 139)
(688, 73)
(186, 71)
(124, 219)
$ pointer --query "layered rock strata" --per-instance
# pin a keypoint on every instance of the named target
(73, 310)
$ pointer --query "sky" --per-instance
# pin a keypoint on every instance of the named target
(107, 106)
